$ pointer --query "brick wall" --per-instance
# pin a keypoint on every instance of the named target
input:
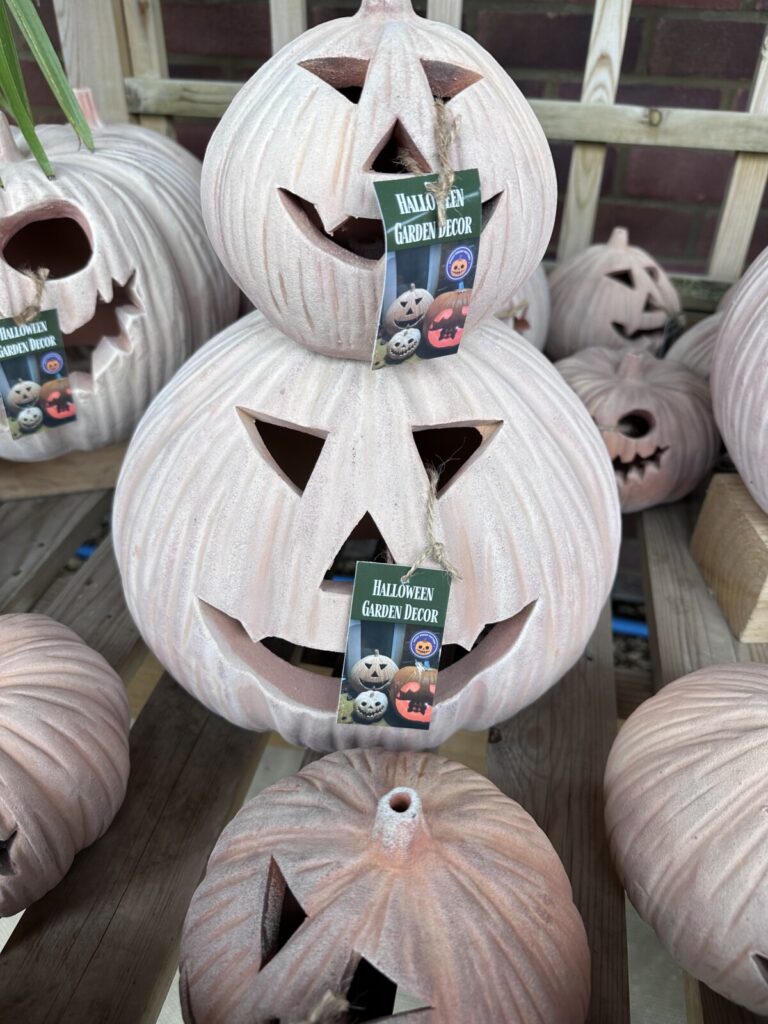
(687, 53)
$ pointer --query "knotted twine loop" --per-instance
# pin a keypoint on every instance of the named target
(331, 1009)
(435, 549)
(32, 311)
(446, 131)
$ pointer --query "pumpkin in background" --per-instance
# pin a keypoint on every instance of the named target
(132, 275)
(375, 672)
(63, 754)
(530, 519)
(656, 420)
(686, 787)
(55, 401)
(613, 296)
(740, 378)
(696, 348)
(302, 234)
(528, 312)
(445, 322)
(407, 311)
(394, 880)
(413, 693)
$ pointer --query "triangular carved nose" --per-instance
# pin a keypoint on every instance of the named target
(397, 153)
(365, 543)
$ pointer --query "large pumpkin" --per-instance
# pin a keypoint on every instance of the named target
(528, 310)
(132, 275)
(687, 816)
(613, 295)
(696, 348)
(395, 881)
(63, 754)
(656, 420)
(740, 379)
(303, 452)
(288, 178)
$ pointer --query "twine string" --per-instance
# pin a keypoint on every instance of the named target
(32, 311)
(446, 131)
(435, 549)
(332, 1009)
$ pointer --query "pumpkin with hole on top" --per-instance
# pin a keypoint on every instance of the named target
(687, 819)
(64, 722)
(131, 273)
(656, 419)
(397, 882)
(364, 88)
(614, 296)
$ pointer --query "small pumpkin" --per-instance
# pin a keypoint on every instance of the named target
(30, 419)
(696, 348)
(383, 877)
(374, 672)
(408, 310)
(23, 393)
(413, 694)
(370, 706)
(57, 402)
(64, 722)
(403, 345)
(444, 323)
(528, 310)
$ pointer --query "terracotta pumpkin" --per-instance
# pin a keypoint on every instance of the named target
(696, 348)
(528, 310)
(56, 402)
(363, 89)
(656, 420)
(614, 296)
(393, 880)
(408, 310)
(530, 519)
(64, 722)
(374, 672)
(686, 786)
(444, 323)
(740, 379)
(132, 275)
(413, 693)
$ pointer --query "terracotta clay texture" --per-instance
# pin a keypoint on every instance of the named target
(686, 814)
(696, 348)
(132, 275)
(528, 312)
(740, 379)
(304, 239)
(613, 296)
(63, 754)
(222, 552)
(372, 863)
(656, 420)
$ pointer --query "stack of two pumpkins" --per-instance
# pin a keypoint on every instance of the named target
(255, 465)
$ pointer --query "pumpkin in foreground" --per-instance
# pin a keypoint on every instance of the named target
(257, 465)
(63, 754)
(395, 881)
(686, 786)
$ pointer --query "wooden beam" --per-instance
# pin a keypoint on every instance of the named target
(69, 474)
(92, 53)
(449, 11)
(146, 45)
(288, 19)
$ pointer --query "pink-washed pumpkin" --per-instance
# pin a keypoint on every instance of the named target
(687, 820)
(132, 275)
(301, 232)
(394, 881)
(63, 754)
(613, 295)
(291, 473)
(696, 348)
(740, 379)
(528, 312)
(656, 420)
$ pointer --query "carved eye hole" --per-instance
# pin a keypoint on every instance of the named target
(344, 74)
(623, 277)
(292, 451)
(452, 448)
(637, 423)
(448, 80)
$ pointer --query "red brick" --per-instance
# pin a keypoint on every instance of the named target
(217, 30)
(702, 5)
(760, 237)
(663, 231)
(194, 134)
(320, 12)
(684, 175)
(535, 40)
(561, 156)
(708, 48)
(648, 94)
(530, 88)
(197, 71)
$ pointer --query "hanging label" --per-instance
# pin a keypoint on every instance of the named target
(430, 270)
(394, 642)
(34, 378)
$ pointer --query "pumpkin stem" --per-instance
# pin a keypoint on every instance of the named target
(9, 151)
(619, 238)
(631, 365)
(399, 823)
(87, 104)
(386, 9)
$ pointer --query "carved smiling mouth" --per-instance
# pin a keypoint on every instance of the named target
(109, 323)
(637, 467)
(641, 332)
(276, 661)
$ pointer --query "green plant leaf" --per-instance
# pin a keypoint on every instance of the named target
(15, 93)
(32, 29)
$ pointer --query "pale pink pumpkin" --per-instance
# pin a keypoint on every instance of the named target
(528, 311)
(63, 753)
(287, 187)
(614, 296)
(687, 819)
(696, 348)
(656, 420)
(370, 871)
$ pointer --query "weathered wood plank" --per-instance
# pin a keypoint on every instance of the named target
(38, 537)
(92, 53)
(716, 1010)
(70, 474)
(551, 759)
(148, 55)
(601, 80)
(449, 11)
(633, 686)
(288, 19)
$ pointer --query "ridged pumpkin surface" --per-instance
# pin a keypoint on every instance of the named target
(696, 348)
(528, 312)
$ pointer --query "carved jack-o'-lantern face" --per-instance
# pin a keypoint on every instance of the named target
(413, 694)
(408, 310)
(375, 672)
(300, 473)
(613, 296)
(403, 345)
(445, 321)
(656, 420)
(364, 88)
(56, 402)
(26, 392)
(30, 419)
(370, 706)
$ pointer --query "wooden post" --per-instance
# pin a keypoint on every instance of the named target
(448, 11)
(288, 19)
(146, 46)
(601, 79)
(92, 53)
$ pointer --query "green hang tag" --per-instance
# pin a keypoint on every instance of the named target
(394, 642)
(34, 377)
(430, 270)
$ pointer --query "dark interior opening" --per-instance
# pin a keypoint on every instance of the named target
(312, 659)
(281, 916)
(641, 332)
(345, 74)
(5, 854)
(452, 653)
(650, 306)
(364, 544)
(400, 802)
(762, 965)
(362, 236)
(448, 80)
(104, 322)
(371, 994)
(447, 449)
(57, 243)
(397, 153)
(488, 209)
(636, 424)
(623, 277)
(294, 450)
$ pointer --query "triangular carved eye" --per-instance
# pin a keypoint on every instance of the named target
(292, 451)
(373, 997)
(452, 448)
(344, 74)
(761, 962)
(282, 915)
(623, 277)
(5, 854)
(448, 80)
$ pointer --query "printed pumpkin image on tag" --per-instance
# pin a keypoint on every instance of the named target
(430, 268)
(393, 646)
(34, 378)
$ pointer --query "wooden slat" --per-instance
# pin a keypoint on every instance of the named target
(38, 538)
(633, 686)
(288, 19)
(551, 758)
(448, 11)
(70, 474)
(147, 50)
(745, 191)
(601, 80)
(92, 53)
